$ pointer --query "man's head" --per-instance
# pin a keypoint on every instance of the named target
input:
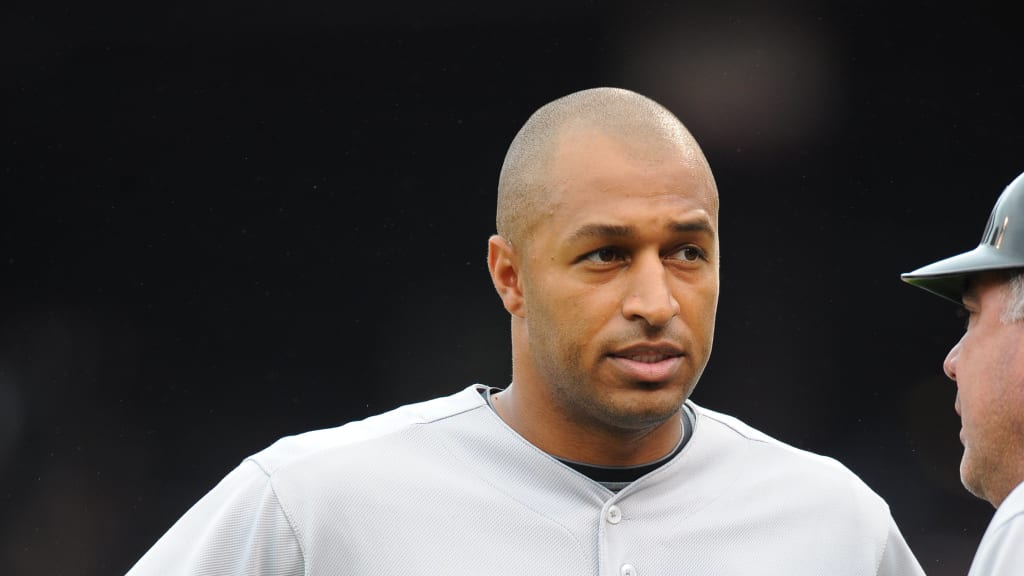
(524, 182)
(988, 361)
(607, 259)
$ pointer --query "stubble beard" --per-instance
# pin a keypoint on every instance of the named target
(590, 405)
(583, 399)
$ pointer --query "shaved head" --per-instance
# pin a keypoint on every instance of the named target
(647, 128)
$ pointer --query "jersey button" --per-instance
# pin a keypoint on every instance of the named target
(614, 514)
(627, 570)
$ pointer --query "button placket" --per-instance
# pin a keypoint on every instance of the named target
(613, 515)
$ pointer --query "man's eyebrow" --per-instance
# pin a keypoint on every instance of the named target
(693, 226)
(619, 231)
(588, 231)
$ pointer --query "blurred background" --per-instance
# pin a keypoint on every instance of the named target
(224, 223)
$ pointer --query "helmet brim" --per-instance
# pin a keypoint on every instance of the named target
(948, 277)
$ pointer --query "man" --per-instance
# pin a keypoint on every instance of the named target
(987, 365)
(592, 460)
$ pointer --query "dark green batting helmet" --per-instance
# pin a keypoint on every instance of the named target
(1001, 247)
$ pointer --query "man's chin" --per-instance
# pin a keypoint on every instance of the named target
(651, 407)
(970, 480)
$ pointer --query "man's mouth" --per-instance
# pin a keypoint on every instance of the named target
(648, 363)
(648, 357)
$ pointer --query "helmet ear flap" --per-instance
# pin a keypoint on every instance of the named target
(1001, 248)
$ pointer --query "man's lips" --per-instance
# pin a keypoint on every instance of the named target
(648, 363)
(956, 407)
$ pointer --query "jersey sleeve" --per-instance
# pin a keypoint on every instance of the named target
(897, 558)
(239, 528)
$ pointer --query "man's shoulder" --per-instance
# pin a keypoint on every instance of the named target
(779, 460)
(741, 429)
(309, 445)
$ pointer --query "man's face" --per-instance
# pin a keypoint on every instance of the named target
(988, 367)
(620, 282)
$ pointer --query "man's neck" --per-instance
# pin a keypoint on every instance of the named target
(547, 429)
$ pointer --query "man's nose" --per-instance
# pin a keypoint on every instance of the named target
(650, 296)
(949, 364)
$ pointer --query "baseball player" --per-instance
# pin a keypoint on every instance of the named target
(592, 461)
(987, 365)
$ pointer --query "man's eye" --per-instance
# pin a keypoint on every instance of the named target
(604, 255)
(965, 316)
(691, 253)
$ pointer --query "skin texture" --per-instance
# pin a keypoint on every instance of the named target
(612, 297)
(987, 365)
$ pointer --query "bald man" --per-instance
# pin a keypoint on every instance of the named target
(592, 460)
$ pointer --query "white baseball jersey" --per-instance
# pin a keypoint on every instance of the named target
(1001, 551)
(446, 487)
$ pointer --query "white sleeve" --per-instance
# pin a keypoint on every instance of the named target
(1001, 552)
(238, 528)
(897, 558)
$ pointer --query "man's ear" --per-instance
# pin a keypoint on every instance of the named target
(503, 263)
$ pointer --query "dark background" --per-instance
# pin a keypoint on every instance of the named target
(221, 224)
